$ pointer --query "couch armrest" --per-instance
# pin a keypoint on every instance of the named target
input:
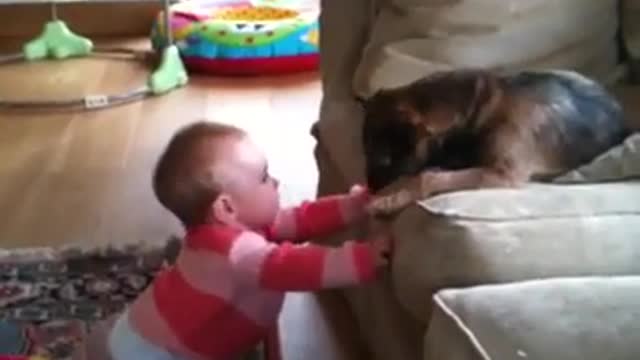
(344, 33)
(503, 235)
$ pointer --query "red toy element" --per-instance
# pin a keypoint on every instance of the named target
(256, 66)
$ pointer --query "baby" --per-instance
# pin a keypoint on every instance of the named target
(241, 252)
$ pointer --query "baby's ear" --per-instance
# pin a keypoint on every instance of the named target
(222, 209)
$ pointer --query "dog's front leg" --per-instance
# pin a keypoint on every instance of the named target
(404, 193)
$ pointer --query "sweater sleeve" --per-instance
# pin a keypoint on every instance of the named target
(318, 218)
(300, 267)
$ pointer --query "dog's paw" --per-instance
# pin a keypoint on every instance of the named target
(390, 204)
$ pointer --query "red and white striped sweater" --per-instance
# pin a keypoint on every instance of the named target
(227, 287)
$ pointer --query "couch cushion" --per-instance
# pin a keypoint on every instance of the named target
(411, 38)
(501, 235)
(620, 162)
(565, 318)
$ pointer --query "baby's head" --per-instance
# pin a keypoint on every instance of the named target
(213, 173)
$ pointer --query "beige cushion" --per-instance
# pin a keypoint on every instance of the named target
(565, 319)
(502, 235)
(412, 38)
(620, 162)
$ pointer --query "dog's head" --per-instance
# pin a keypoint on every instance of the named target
(404, 128)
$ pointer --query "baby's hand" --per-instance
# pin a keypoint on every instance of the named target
(382, 246)
(355, 203)
(395, 197)
(386, 206)
(361, 192)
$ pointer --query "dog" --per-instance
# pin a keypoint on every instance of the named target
(473, 128)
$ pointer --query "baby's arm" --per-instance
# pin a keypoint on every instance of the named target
(308, 267)
(320, 217)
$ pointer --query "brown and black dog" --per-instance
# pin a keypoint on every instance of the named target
(467, 129)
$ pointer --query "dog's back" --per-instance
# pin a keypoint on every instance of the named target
(583, 119)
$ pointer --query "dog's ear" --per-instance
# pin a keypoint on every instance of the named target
(481, 93)
(436, 120)
(461, 89)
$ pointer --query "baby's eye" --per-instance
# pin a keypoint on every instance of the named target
(266, 177)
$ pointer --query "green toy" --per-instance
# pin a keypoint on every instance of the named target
(57, 41)
(170, 74)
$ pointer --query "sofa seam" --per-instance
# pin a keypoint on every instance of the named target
(456, 217)
(475, 342)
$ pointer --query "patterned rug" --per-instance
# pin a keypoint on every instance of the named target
(51, 299)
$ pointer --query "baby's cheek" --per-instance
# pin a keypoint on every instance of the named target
(275, 204)
(269, 205)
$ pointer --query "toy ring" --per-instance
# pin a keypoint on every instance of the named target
(89, 102)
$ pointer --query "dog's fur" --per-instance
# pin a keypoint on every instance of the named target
(467, 129)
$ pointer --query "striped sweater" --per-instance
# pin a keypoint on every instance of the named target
(226, 289)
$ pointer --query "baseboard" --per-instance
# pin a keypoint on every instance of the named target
(90, 19)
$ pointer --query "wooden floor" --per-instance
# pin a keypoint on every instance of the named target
(84, 177)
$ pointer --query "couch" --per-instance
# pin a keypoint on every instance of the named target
(546, 271)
